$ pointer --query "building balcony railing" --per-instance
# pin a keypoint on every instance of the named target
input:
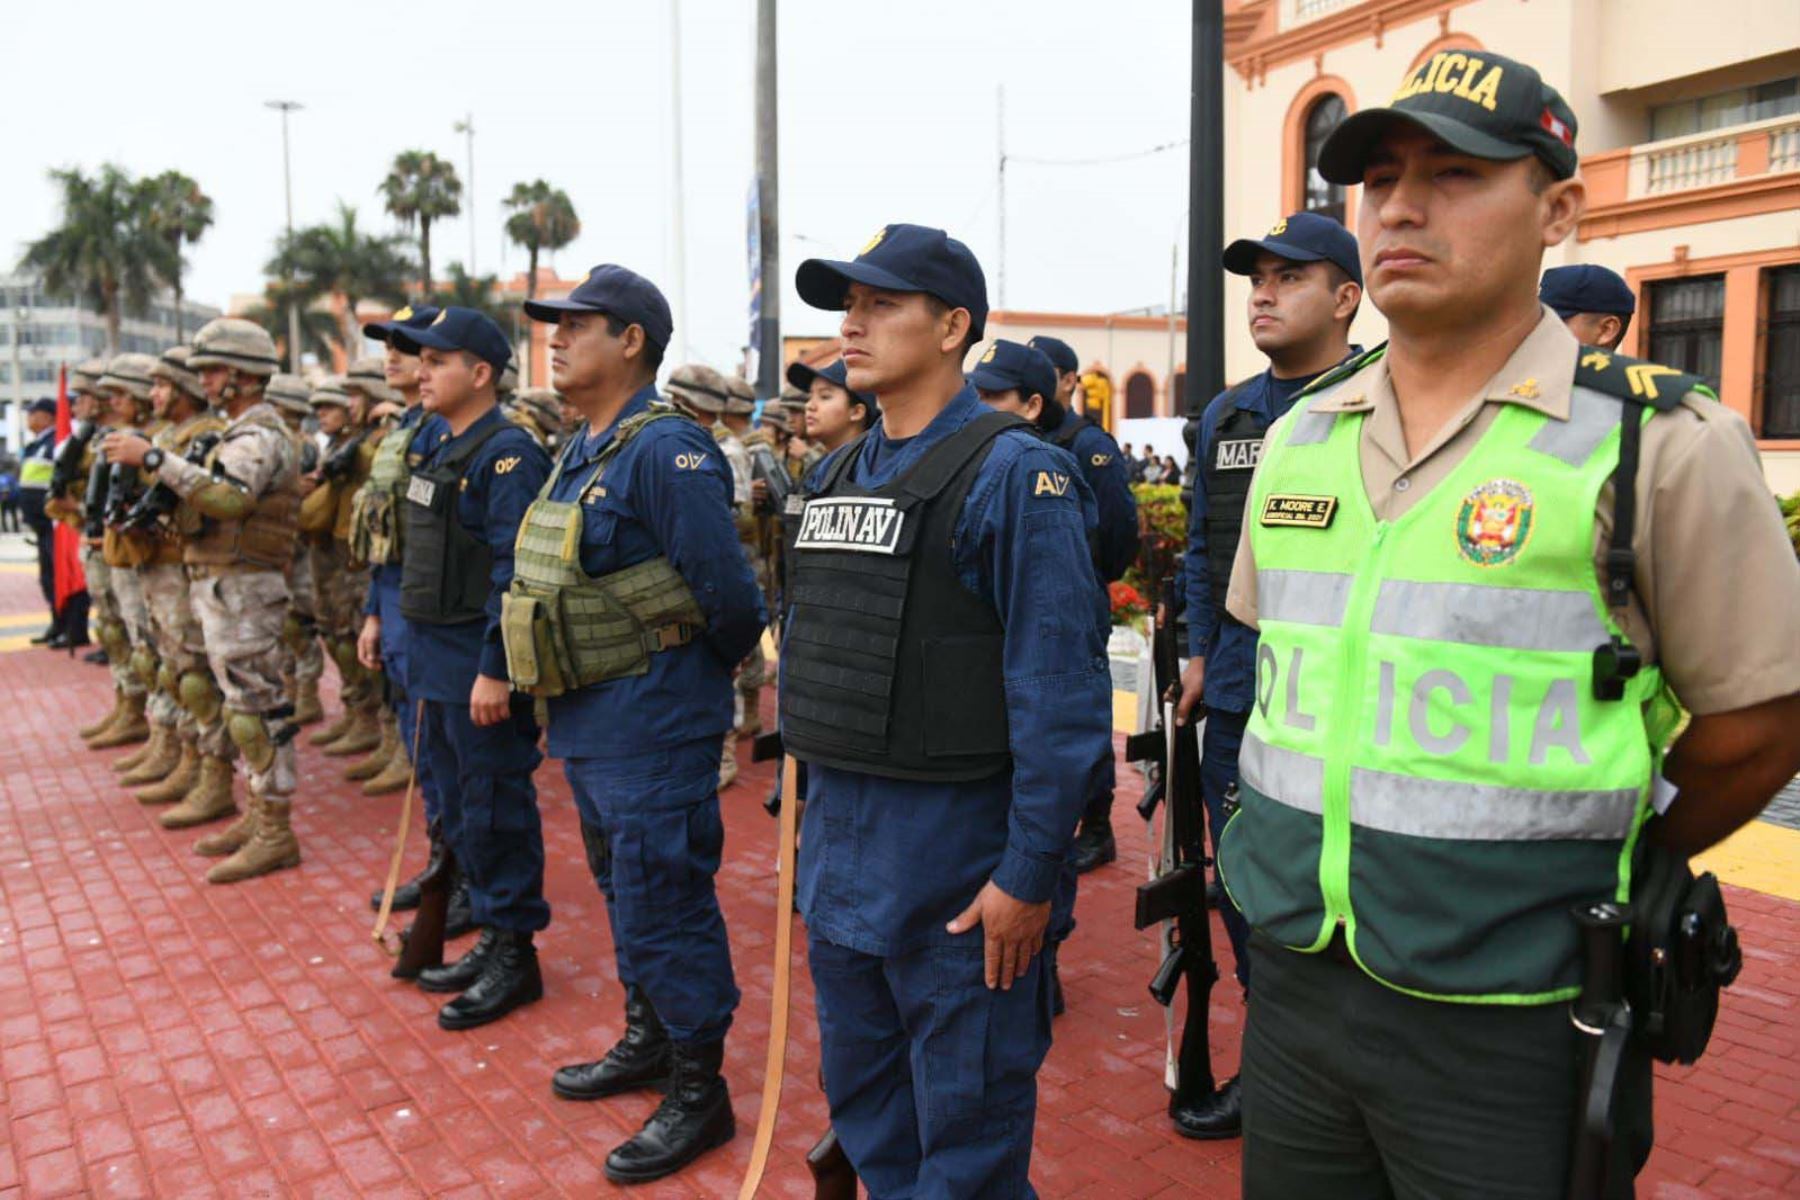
(1701, 177)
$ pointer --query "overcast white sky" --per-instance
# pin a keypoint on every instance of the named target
(888, 112)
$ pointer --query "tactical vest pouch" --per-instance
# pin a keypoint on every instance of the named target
(1681, 952)
(532, 661)
(318, 511)
(127, 550)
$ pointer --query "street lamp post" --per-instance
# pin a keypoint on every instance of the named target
(20, 316)
(466, 127)
(284, 107)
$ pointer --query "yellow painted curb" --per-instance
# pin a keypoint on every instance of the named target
(1761, 856)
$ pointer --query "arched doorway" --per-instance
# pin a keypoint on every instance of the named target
(1140, 396)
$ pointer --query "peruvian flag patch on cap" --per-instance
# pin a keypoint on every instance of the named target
(1558, 130)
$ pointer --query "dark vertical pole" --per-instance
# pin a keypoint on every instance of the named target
(768, 371)
(1206, 209)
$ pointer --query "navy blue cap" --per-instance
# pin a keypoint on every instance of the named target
(618, 292)
(1304, 237)
(1059, 352)
(406, 317)
(1007, 365)
(1586, 288)
(837, 374)
(43, 404)
(459, 329)
(902, 258)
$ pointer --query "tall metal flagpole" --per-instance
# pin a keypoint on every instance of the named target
(287, 178)
(466, 127)
(1206, 210)
(769, 365)
(679, 186)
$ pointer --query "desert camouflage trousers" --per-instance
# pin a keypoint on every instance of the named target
(181, 650)
(241, 614)
(109, 621)
(303, 658)
(341, 589)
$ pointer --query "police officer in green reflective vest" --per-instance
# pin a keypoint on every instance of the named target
(1471, 649)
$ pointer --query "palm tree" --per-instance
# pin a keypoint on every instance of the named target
(543, 219)
(479, 292)
(178, 211)
(341, 260)
(420, 188)
(105, 251)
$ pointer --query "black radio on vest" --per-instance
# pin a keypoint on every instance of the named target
(444, 578)
(1237, 445)
(891, 666)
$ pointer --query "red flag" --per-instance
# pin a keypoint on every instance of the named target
(70, 579)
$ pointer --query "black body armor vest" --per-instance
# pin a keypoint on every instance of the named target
(1237, 445)
(890, 665)
(444, 575)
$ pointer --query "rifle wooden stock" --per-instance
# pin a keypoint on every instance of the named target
(422, 945)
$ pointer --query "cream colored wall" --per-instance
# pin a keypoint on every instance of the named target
(1650, 41)
(1119, 353)
(1782, 469)
(1768, 231)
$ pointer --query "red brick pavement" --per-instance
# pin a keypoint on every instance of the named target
(161, 1037)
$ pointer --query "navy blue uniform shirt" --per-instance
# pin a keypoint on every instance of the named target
(386, 576)
(885, 864)
(1103, 467)
(1228, 646)
(498, 484)
(667, 493)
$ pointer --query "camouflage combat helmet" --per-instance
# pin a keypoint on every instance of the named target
(740, 397)
(86, 376)
(330, 390)
(234, 342)
(508, 383)
(366, 376)
(290, 394)
(173, 366)
(697, 387)
(543, 406)
(129, 373)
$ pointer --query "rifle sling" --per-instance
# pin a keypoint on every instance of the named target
(784, 970)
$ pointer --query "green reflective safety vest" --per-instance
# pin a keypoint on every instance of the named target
(1426, 765)
(375, 511)
(564, 629)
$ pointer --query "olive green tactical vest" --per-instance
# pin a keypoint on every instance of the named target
(564, 629)
(1427, 766)
(374, 513)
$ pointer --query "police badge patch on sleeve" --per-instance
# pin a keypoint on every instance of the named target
(864, 524)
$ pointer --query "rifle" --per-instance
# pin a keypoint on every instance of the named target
(340, 463)
(157, 504)
(68, 458)
(422, 944)
(1176, 897)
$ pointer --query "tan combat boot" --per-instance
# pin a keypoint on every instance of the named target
(163, 758)
(130, 727)
(379, 757)
(272, 847)
(209, 798)
(394, 775)
(131, 762)
(231, 839)
(331, 732)
(728, 764)
(93, 728)
(173, 788)
(307, 709)
(364, 734)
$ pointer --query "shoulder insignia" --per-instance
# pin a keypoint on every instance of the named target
(503, 465)
(1636, 381)
(1053, 483)
(690, 460)
(1343, 371)
(1099, 460)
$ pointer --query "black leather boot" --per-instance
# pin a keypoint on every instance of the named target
(509, 978)
(693, 1118)
(640, 1060)
(1094, 844)
(1220, 1115)
(460, 975)
(460, 919)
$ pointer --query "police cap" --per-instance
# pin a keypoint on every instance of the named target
(902, 258)
(1477, 103)
(1059, 352)
(836, 374)
(1302, 237)
(458, 329)
(43, 404)
(410, 316)
(1586, 287)
(617, 292)
(1008, 365)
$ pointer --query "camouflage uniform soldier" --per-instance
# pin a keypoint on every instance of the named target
(303, 658)
(341, 584)
(367, 385)
(125, 389)
(539, 411)
(248, 488)
(181, 401)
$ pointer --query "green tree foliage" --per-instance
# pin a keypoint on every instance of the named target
(177, 211)
(420, 188)
(336, 259)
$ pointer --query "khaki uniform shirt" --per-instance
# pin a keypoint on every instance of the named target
(1717, 596)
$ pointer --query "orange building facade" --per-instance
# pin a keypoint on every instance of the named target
(1689, 121)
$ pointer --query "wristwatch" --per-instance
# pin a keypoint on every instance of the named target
(153, 458)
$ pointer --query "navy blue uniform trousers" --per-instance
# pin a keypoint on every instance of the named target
(661, 839)
(489, 809)
(919, 1041)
